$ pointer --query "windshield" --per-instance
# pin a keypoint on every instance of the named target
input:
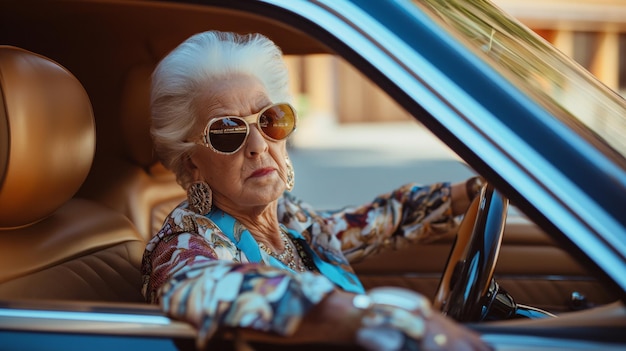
(558, 82)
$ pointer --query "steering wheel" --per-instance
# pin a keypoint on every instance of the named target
(467, 288)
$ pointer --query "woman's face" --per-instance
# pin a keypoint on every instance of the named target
(254, 176)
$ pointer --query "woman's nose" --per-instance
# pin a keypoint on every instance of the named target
(256, 143)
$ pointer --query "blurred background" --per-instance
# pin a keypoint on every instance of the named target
(592, 32)
(343, 153)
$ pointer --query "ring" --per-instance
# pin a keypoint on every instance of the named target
(440, 339)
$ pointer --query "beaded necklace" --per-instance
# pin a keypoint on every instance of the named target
(287, 256)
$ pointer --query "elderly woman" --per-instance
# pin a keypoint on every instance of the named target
(243, 253)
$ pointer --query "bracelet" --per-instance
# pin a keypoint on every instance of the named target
(473, 186)
(395, 297)
(393, 314)
(402, 298)
(362, 302)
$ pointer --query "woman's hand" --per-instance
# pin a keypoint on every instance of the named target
(379, 327)
(442, 333)
(400, 319)
(463, 193)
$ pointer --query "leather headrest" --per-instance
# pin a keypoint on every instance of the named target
(136, 117)
(47, 136)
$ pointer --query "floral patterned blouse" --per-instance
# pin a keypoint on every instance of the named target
(198, 275)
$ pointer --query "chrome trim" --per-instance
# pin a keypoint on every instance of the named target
(111, 323)
(85, 316)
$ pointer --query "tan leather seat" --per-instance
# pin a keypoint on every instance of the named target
(54, 245)
(137, 184)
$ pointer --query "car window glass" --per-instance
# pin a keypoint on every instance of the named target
(555, 80)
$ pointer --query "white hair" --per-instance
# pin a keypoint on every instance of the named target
(189, 70)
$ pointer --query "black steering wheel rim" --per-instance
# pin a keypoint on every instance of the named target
(464, 286)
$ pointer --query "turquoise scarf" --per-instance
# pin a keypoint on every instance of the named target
(245, 242)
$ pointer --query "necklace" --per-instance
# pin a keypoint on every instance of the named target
(287, 256)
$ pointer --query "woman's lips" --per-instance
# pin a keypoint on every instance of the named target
(261, 172)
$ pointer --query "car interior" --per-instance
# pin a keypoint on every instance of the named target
(81, 190)
(55, 245)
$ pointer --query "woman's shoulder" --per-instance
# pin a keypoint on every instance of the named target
(182, 219)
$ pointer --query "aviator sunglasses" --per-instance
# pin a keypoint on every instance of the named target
(226, 135)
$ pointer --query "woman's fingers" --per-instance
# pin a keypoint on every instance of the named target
(443, 333)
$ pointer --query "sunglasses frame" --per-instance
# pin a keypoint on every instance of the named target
(248, 120)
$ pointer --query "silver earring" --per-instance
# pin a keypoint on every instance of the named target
(200, 197)
(290, 174)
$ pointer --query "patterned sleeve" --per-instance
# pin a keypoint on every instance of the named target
(198, 275)
(410, 214)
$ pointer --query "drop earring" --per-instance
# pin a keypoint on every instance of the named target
(200, 197)
(290, 174)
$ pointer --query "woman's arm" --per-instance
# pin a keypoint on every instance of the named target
(205, 281)
(336, 321)
(410, 214)
(265, 304)
(462, 194)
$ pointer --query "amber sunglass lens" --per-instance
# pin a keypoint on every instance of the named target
(278, 121)
(227, 134)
